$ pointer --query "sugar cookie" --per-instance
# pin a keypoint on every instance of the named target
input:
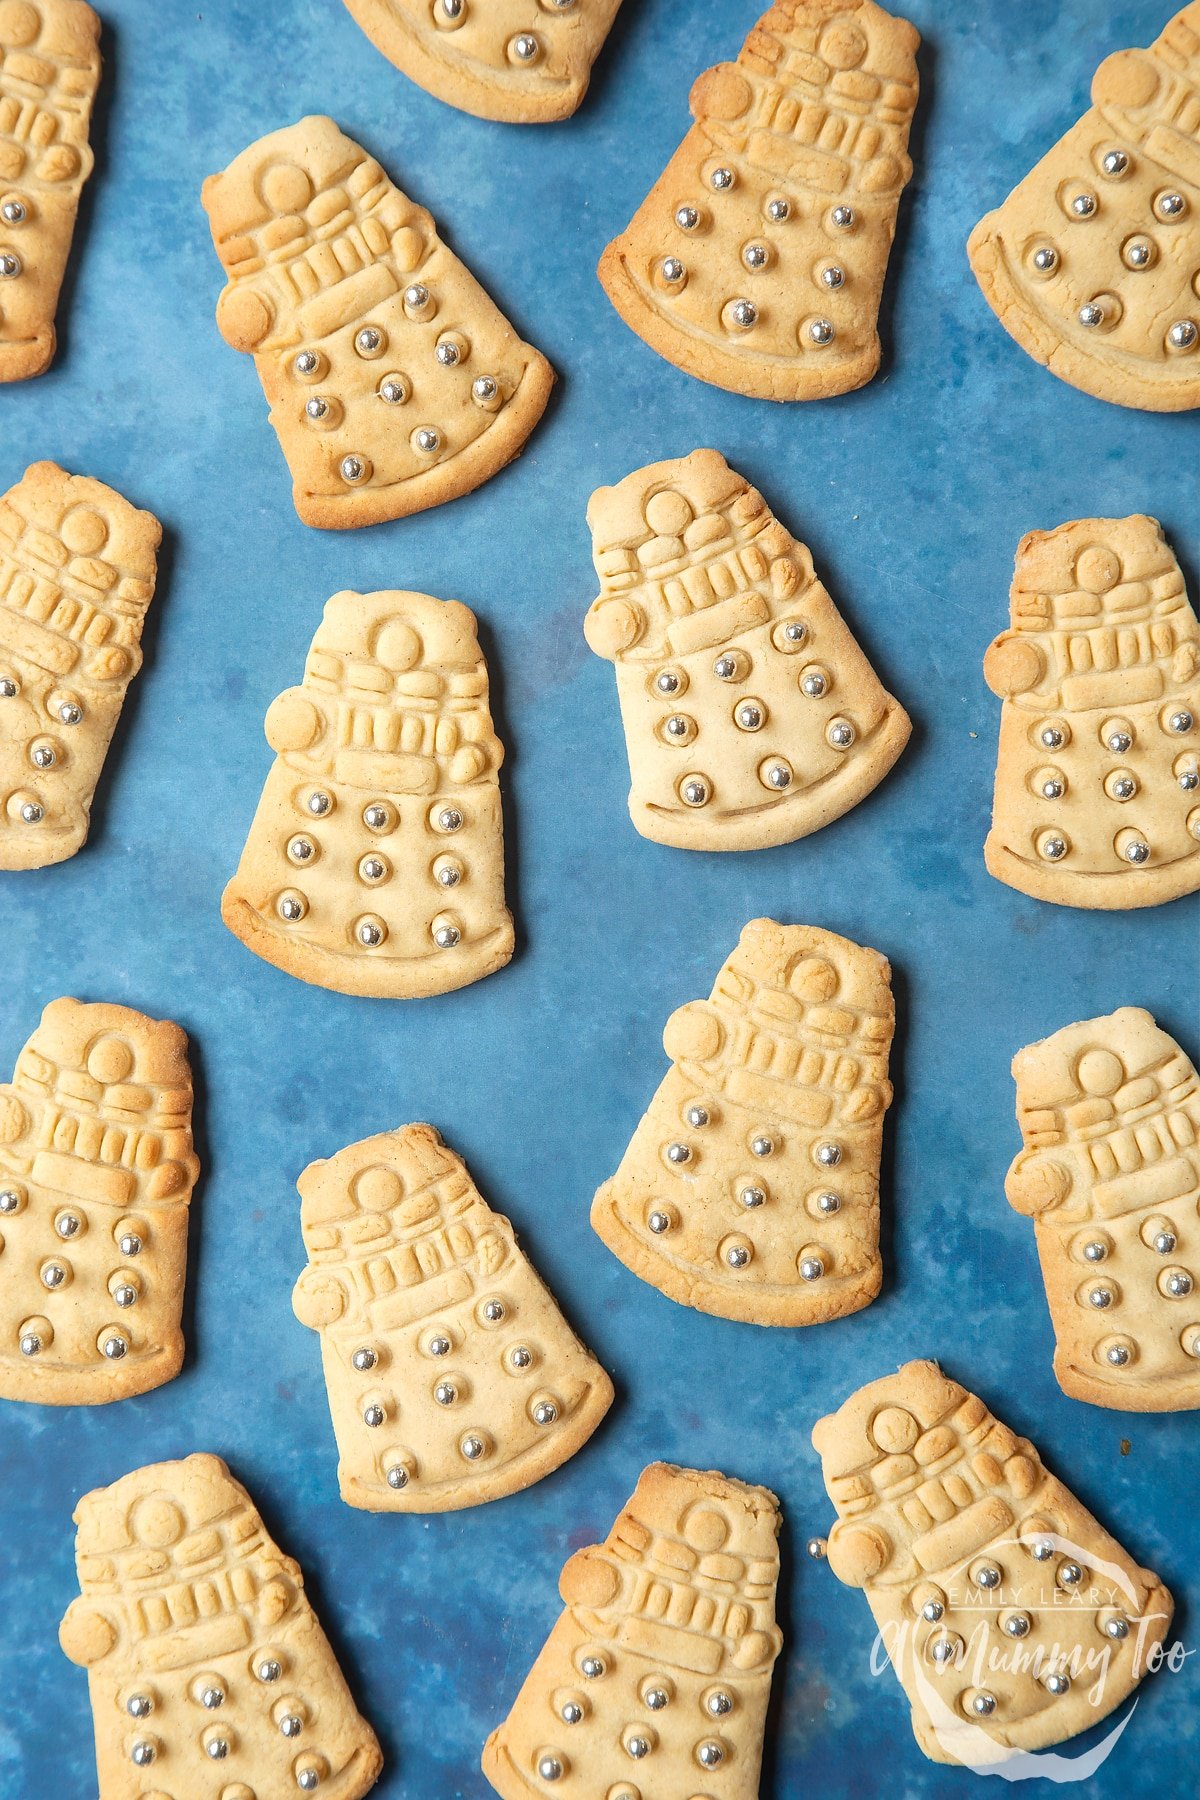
(375, 862)
(750, 1188)
(756, 262)
(209, 1674)
(1098, 771)
(77, 571)
(1012, 1618)
(96, 1173)
(394, 381)
(655, 1680)
(1109, 1111)
(452, 1376)
(49, 72)
(517, 60)
(751, 715)
(1092, 262)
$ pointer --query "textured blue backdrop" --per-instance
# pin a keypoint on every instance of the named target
(912, 495)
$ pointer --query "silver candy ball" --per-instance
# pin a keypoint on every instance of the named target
(725, 668)
(1124, 787)
(450, 819)
(372, 869)
(416, 297)
(1091, 315)
(1041, 1550)
(1058, 1684)
(353, 469)
(678, 1153)
(291, 907)
(983, 1704)
(744, 314)
(53, 1276)
(843, 217)
(375, 818)
(1164, 1242)
(1053, 789)
(697, 1117)
(1178, 1284)
(43, 757)
(440, 1346)
(817, 1548)
(139, 1706)
(1115, 163)
(369, 935)
(795, 631)
(751, 1197)
(813, 685)
(448, 876)
(31, 1344)
(1018, 1625)
(672, 270)
(317, 407)
(32, 813)
(369, 340)
(829, 1155)
(308, 1781)
(1117, 1627)
(710, 1755)
(988, 1577)
(446, 936)
(1053, 848)
(658, 1222)
(570, 1712)
(1183, 334)
(1117, 1355)
(932, 1611)
(762, 1145)
(364, 1359)
(756, 256)
(9, 687)
(593, 1667)
(445, 1393)
(10, 265)
(10, 1200)
(811, 1268)
(397, 1477)
(1095, 1252)
(1138, 254)
(549, 1768)
(667, 682)
(677, 727)
(1119, 741)
(545, 1413)
(687, 218)
(1138, 851)
(217, 1748)
(749, 716)
(695, 791)
(519, 1357)
(290, 1725)
(268, 1669)
(833, 276)
(428, 440)
(69, 1225)
(721, 180)
(821, 332)
(828, 1203)
(472, 1448)
(1070, 1575)
(656, 1698)
(942, 1651)
(319, 803)
(1170, 206)
(373, 1416)
(1052, 737)
(393, 390)
(13, 212)
(125, 1295)
(1101, 1298)
(142, 1754)
(778, 211)
(737, 1256)
(637, 1747)
(1084, 205)
(841, 736)
(70, 712)
(493, 1311)
(1180, 721)
(525, 46)
(307, 362)
(484, 388)
(1045, 259)
(448, 354)
(779, 775)
(129, 1244)
(114, 1347)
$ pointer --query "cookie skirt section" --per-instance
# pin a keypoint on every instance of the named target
(375, 975)
(738, 371)
(790, 816)
(459, 474)
(513, 1477)
(1137, 382)
(47, 1383)
(1122, 890)
(512, 97)
(743, 1298)
(1182, 1394)
(28, 356)
(25, 847)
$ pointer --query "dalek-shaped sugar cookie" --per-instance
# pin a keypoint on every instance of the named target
(49, 72)
(655, 1680)
(750, 1189)
(751, 715)
(394, 380)
(757, 260)
(1011, 1617)
(96, 1173)
(1109, 1111)
(524, 61)
(452, 1376)
(77, 572)
(1097, 800)
(375, 862)
(1092, 263)
(209, 1674)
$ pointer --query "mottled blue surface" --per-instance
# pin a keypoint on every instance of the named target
(912, 495)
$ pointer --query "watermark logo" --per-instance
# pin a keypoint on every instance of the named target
(1070, 1640)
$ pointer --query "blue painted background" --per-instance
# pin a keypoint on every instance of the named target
(912, 495)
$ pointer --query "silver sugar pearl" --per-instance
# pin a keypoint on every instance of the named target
(1052, 737)
(828, 1203)
(942, 1651)
(32, 813)
(1070, 1575)
(779, 775)
(525, 46)
(1119, 741)
(1117, 1355)
(710, 1755)
(448, 876)
(1138, 254)
(755, 256)
(68, 1225)
(1058, 1684)
(1095, 1252)
(307, 362)
(439, 1346)
(752, 1197)
(369, 935)
(1170, 206)
(129, 1244)
(364, 1359)
(1084, 205)
(1101, 1298)
(8, 687)
(493, 1311)
(124, 1295)
(841, 736)
(549, 1768)
(1164, 1242)
(139, 1706)
(317, 407)
(988, 1577)
(795, 631)
(1045, 259)
(811, 1268)
(290, 1725)
(308, 1781)
(212, 1697)
(687, 218)
(1117, 1627)
(695, 792)
(932, 1611)
(10, 1200)
(291, 908)
(545, 1413)
(448, 354)
(813, 686)
(817, 1548)
(697, 1117)
(1053, 848)
(142, 1754)
(446, 936)
(737, 1256)
(416, 297)
(31, 1344)
(519, 1357)
(445, 1393)
(393, 391)
(1178, 1284)
(397, 1477)
(829, 1155)
(778, 211)
(114, 1347)
(1091, 315)
(677, 727)
(749, 716)
(1180, 721)
(484, 388)
(570, 1712)
(43, 757)
(268, 1670)
(637, 1747)
(667, 682)
(672, 270)
(983, 1704)
(821, 332)
(353, 469)
(70, 712)
(1183, 334)
(832, 276)
(725, 668)
(1041, 1550)
(744, 314)
(449, 819)
(721, 179)
(13, 212)
(1053, 789)
(1115, 163)
(762, 1145)
(1018, 1625)
(658, 1222)
(373, 1417)
(656, 1698)
(678, 1153)
(319, 804)
(1138, 851)
(10, 265)
(369, 340)
(843, 217)
(1124, 787)
(593, 1667)
(428, 440)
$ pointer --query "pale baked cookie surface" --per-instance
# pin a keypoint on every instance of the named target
(655, 1680)
(96, 1173)
(1097, 799)
(1109, 1111)
(375, 861)
(757, 260)
(524, 61)
(394, 380)
(209, 1674)
(996, 1592)
(750, 1189)
(49, 71)
(77, 570)
(452, 1376)
(751, 715)
(1092, 262)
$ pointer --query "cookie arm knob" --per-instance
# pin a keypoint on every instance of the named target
(588, 1579)
(692, 1033)
(722, 94)
(293, 722)
(14, 1120)
(86, 1636)
(1186, 660)
(244, 317)
(1036, 1183)
(611, 626)
(857, 1553)
(318, 1299)
(1013, 664)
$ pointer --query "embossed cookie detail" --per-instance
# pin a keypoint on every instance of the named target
(1093, 262)
(525, 61)
(452, 1376)
(1097, 798)
(1011, 1617)
(209, 1674)
(96, 1172)
(751, 715)
(77, 572)
(1110, 1117)
(375, 862)
(750, 1189)
(655, 1680)
(49, 72)
(757, 260)
(394, 380)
